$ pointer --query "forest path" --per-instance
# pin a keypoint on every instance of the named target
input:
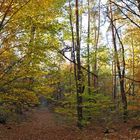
(42, 125)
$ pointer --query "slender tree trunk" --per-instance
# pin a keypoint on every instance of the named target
(114, 73)
(79, 71)
(81, 21)
(73, 44)
(70, 71)
(133, 67)
(120, 72)
(97, 36)
(88, 48)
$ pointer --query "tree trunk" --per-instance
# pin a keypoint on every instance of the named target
(97, 36)
(121, 73)
(133, 67)
(88, 49)
(79, 71)
(73, 45)
(114, 73)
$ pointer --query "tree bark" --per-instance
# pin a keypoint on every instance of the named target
(79, 71)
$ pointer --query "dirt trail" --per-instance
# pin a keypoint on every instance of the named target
(43, 126)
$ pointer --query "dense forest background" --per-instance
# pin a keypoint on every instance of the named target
(82, 56)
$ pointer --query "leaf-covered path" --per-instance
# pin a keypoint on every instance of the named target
(42, 125)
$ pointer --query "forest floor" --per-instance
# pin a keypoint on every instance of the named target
(43, 125)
